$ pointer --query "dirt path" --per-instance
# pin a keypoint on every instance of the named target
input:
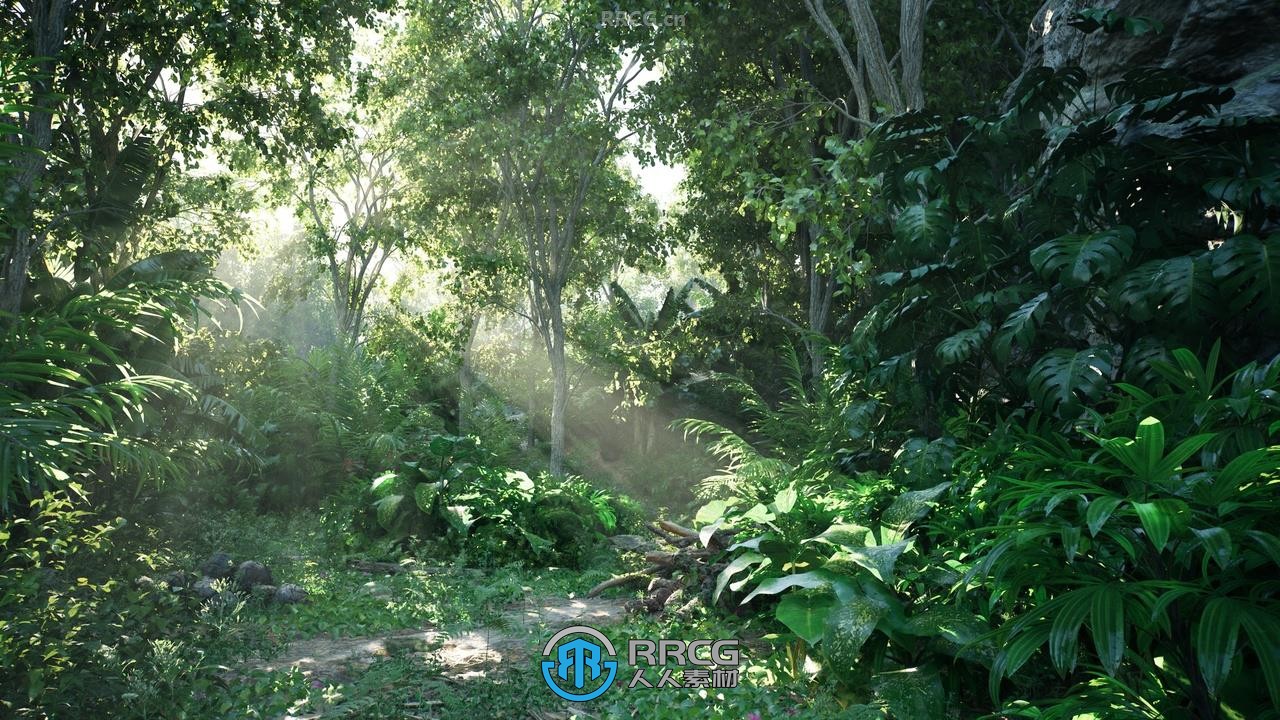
(463, 655)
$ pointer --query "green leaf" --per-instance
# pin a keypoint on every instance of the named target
(1248, 272)
(381, 481)
(1079, 259)
(928, 225)
(1268, 543)
(1215, 637)
(805, 614)
(879, 560)
(1217, 544)
(1180, 289)
(1159, 519)
(711, 512)
(785, 500)
(911, 506)
(1106, 621)
(848, 627)
(1263, 630)
(1020, 326)
(773, 586)
(1015, 654)
(845, 535)
(1069, 612)
(962, 345)
(735, 566)
(1099, 511)
(1062, 380)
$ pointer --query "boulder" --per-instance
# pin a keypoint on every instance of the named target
(204, 589)
(264, 593)
(218, 566)
(177, 580)
(251, 572)
(289, 594)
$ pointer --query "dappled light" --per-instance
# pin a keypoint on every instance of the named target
(449, 360)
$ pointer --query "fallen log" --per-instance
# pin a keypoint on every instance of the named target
(620, 580)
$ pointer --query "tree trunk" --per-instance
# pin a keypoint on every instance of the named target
(466, 378)
(560, 387)
(48, 29)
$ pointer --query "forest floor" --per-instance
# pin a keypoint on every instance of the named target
(449, 642)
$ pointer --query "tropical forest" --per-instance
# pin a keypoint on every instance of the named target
(654, 359)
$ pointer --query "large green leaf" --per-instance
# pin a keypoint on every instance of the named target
(1068, 614)
(773, 586)
(805, 614)
(1061, 381)
(879, 560)
(911, 693)
(1248, 273)
(1099, 511)
(735, 566)
(911, 506)
(1215, 639)
(848, 626)
(1160, 518)
(1179, 289)
(1263, 630)
(928, 224)
(1078, 259)
(1020, 326)
(1106, 623)
(962, 345)
(845, 535)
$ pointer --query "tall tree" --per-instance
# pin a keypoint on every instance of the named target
(349, 201)
(543, 88)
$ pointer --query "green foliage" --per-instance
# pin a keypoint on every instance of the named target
(455, 500)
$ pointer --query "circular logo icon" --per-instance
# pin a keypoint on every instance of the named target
(579, 664)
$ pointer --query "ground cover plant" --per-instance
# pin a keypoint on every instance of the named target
(928, 351)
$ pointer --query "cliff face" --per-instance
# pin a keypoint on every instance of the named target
(1226, 42)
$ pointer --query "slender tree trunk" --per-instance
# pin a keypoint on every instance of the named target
(466, 377)
(560, 386)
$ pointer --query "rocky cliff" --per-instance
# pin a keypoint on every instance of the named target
(1228, 42)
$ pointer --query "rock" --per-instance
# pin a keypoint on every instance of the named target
(177, 580)
(263, 592)
(289, 594)
(633, 543)
(218, 566)
(1215, 42)
(251, 573)
(204, 589)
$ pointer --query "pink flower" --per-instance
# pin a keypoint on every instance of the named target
(317, 684)
(753, 715)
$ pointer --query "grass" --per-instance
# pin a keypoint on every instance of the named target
(409, 684)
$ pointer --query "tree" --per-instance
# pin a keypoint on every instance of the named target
(349, 202)
(109, 107)
(543, 89)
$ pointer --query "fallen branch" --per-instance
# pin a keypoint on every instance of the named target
(621, 580)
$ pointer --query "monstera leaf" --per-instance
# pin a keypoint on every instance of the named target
(1061, 380)
(1180, 288)
(928, 224)
(1020, 326)
(1248, 272)
(1079, 259)
(962, 345)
